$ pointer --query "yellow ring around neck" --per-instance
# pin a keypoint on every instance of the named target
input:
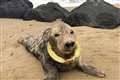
(59, 59)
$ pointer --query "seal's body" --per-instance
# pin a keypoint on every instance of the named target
(61, 41)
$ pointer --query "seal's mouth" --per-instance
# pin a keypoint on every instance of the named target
(67, 54)
(69, 51)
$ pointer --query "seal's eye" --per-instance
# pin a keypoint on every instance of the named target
(56, 35)
(71, 32)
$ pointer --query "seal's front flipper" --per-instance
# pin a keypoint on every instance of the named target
(91, 70)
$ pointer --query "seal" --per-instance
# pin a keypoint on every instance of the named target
(58, 50)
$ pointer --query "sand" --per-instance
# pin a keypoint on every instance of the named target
(100, 48)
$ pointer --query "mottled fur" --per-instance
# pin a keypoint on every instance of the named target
(38, 47)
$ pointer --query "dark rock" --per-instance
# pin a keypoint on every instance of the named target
(3, 1)
(95, 13)
(47, 12)
(14, 8)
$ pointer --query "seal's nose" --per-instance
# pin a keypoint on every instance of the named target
(69, 44)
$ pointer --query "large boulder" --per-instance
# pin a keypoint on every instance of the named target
(14, 8)
(47, 13)
(95, 13)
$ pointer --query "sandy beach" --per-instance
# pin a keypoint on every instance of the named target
(100, 48)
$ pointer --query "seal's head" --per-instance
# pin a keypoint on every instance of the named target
(63, 39)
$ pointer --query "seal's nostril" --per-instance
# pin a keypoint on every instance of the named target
(72, 44)
(69, 44)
